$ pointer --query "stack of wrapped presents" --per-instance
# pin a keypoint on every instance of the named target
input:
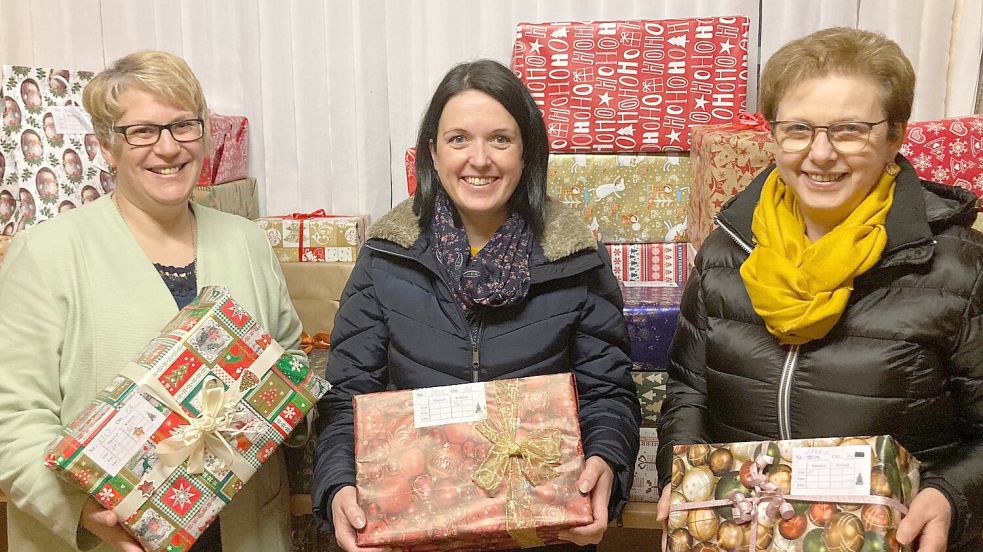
(622, 101)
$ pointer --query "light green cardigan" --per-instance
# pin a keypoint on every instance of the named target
(78, 299)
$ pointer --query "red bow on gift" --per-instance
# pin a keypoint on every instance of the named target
(755, 121)
(318, 341)
(304, 216)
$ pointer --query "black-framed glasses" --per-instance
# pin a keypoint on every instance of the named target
(846, 137)
(148, 134)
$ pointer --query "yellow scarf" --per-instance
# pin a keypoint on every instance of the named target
(801, 288)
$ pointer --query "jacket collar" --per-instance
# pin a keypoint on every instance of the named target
(564, 232)
(919, 210)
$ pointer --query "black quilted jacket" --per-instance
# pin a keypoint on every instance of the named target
(906, 358)
(398, 324)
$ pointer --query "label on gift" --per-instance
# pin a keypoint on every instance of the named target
(828, 471)
(124, 434)
(452, 404)
(70, 119)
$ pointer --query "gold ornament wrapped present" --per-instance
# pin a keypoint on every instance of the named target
(837, 494)
(315, 237)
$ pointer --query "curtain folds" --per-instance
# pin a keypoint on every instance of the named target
(334, 89)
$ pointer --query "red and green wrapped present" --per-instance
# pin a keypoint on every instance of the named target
(480, 466)
(660, 264)
(633, 86)
(625, 198)
(172, 439)
(315, 237)
(948, 151)
(228, 153)
(725, 158)
(837, 494)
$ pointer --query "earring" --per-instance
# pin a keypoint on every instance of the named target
(892, 168)
(112, 171)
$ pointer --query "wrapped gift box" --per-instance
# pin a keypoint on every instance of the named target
(410, 164)
(315, 290)
(229, 151)
(140, 447)
(725, 158)
(51, 159)
(239, 197)
(651, 313)
(665, 264)
(633, 86)
(315, 237)
(436, 469)
(651, 389)
(948, 151)
(844, 494)
(625, 198)
(645, 485)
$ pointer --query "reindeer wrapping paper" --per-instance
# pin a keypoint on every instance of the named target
(625, 198)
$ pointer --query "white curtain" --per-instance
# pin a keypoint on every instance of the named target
(334, 89)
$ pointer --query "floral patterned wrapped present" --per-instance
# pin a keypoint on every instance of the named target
(172, 439)
(837, 494)
(948, 151)
(481, 466)
(625, 198)
(725, 158)
(315, 237)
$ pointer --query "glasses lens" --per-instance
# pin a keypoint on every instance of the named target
(186, 131)
(142, 135)
(793, 137)
(849, 137)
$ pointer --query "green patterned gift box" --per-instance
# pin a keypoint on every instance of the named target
(172, 439)
(651, 389)
(625, 198)
(843, 494)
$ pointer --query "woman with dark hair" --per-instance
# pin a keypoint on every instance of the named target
(481, 277)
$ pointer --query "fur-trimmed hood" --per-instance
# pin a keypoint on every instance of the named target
(564, 232)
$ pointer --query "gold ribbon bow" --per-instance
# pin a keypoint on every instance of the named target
(318, 341)
(217, 416)
(534, 457)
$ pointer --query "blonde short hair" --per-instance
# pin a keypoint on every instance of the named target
(843, 51)
(161, 73)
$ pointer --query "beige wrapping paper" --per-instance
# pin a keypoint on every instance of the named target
(239, 197)
(4, 244)
(315, 289)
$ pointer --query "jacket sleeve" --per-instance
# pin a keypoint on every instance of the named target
(34, 317)
(684, 411)
(357, 364)
(960, 475)
(610, 414)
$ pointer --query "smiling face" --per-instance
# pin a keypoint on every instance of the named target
(478, 156)
(164, 173)
(830, 185)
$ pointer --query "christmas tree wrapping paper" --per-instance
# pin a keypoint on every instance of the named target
(633, 86)
(645, 485)
(228, 153)
(172, 439)
(651, 390)
(315, 237)
(948, 151)
(482, 466)
(51, 159)
(837, 494)
(664, 264)
(651, 313)
(239, 197)
(625, 198)
(724, 158)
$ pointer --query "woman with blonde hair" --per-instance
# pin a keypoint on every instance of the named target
(85, 292)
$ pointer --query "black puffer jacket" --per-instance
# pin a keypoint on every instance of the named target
(905, 359)
(398, 324)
